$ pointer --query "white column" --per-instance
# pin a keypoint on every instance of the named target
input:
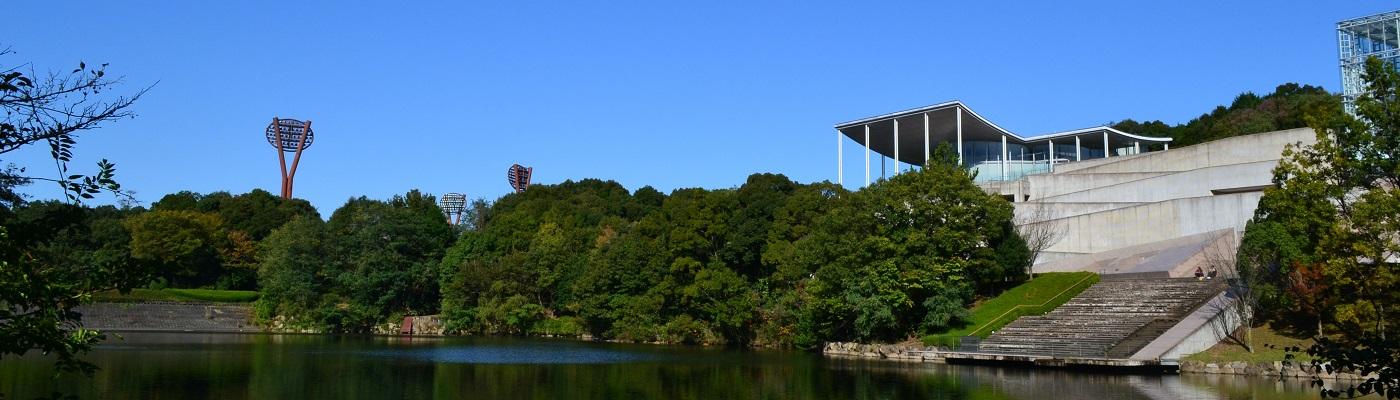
(1166, 146)
(1105, 145)
(926, 133)
(1137, 148)
(896, 148)
(960, 147)
(1051, 157)
(867, 155)
(1078, 150)
(1004, 156)
(839, 159)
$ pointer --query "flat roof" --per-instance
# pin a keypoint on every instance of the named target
(941, 122)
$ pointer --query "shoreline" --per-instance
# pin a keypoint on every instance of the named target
(928, 354)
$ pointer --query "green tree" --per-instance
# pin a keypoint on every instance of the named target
(37, 297)
(384, 256)
(183, 246)
(1336, 204)
(1285, 108)
(291, 271)
(892, 246)
(255, 213)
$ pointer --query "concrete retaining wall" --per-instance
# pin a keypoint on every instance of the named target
(1195, 333)
(1047, 185)
(1152, 222)
(168, 316)
(1106, 204)
(1239, 149)
(1194, 183)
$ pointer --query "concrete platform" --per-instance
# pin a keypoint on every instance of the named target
(1115, 364)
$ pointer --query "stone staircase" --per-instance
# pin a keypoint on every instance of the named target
(1112, 319)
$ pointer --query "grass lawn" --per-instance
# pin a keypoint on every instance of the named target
(220, 296)
(1035, 297)
(1263, 337)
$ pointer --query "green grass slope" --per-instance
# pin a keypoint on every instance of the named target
(211, 295)
(1035, 297)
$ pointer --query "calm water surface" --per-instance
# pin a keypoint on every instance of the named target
(220, 366)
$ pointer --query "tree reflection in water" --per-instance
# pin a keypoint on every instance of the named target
(192, 366)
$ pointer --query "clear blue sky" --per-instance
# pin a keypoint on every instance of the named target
(445, 96)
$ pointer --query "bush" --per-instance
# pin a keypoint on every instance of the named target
(686, 330)
(559, 326)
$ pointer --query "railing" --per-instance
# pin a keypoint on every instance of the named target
(993, 321)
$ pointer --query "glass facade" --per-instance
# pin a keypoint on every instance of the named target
(1022, 159)
(1359, 38)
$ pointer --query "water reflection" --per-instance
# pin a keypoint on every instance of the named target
(299, 366)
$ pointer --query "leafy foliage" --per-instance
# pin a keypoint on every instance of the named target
(771, 262)
(53, 110)
(1285, 108)
(1329, 232)
(371, 261)
(63, 255)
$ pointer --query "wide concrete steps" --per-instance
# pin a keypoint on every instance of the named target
(168, 316)
(1113, 318)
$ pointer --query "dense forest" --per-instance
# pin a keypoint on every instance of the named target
(772, 262)
(183, 240)
(1285, 108)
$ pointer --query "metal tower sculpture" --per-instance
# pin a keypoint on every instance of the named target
(289, 136)
(519, 177)
(453, 205)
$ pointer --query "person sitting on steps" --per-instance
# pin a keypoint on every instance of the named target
(1199, 273)
(1211, 275)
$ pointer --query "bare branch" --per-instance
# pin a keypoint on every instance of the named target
(1235, 313)
(1039, 228)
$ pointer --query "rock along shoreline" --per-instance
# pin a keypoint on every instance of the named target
(1277, 369)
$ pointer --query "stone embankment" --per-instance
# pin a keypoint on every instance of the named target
(898, 352)
(1274, 369)
(422, 325)
(169, 316)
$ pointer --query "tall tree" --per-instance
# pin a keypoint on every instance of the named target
(184, 246)
(37, 297)
(901, 242)
(1338, 202)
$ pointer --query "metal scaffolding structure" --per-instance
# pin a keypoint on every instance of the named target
(453, 206)
(1359, 38)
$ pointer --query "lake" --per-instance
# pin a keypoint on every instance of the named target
(235, 366)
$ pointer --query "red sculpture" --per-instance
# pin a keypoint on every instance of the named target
(289, 135)
(519, 177)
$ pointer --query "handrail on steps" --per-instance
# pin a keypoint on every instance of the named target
(1047, 301)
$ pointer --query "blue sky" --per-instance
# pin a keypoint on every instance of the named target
(445, 96)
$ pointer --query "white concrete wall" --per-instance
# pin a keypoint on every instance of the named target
(1106, 204)
(1193, 183)
(1046, 185)
(1197, 332)
(1234, 150)
(1152, 222)
(1032, 211)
